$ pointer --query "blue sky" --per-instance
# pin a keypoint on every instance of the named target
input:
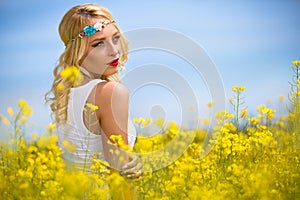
(252, 43)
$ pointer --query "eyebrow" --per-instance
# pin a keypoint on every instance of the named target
(103, 38)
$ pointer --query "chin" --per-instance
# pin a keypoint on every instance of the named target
(111, 72)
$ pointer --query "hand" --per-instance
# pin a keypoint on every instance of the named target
(133, 169)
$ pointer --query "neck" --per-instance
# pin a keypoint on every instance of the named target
(89, 75)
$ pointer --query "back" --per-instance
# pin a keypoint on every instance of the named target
(88, 144)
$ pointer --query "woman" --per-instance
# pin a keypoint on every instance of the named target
(88, 101)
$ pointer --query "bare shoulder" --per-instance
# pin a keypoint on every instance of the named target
(108, 89)
(110, 92)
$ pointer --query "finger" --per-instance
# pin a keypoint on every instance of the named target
(134, 160)
(138, 179)
(133, 170)
(132, 163)
(135, 176)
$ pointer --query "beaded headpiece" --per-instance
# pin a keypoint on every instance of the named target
(91, 30)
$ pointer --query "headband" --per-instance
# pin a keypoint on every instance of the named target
(91, 30)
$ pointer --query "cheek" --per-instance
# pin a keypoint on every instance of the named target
(94, 61)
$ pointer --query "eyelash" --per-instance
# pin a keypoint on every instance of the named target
(115, 39)
(98, 44)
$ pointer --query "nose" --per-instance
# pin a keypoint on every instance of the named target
(113, 49)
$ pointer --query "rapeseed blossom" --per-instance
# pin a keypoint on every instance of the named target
(296, 63)
(281, 98)
(50, 128)
(210, 104)
(71, 74)
(258, 161)
(10, 111)
(92, 107)
(238, 89)
(4, 120)
(24, 108)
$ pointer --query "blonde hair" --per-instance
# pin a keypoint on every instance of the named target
(70, 26)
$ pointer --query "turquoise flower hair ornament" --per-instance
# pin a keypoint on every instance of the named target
(91, 30)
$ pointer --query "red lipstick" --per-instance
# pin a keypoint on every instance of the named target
(114, 63)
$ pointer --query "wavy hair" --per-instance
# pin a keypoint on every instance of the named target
(70, 26)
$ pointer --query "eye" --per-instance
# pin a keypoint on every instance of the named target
(101, 43)
(116, 38)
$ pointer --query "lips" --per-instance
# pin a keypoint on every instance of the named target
(114, 63)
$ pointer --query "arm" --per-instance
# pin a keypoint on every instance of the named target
(113, 99)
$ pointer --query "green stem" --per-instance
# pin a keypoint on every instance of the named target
(88, 144)
(237, 111)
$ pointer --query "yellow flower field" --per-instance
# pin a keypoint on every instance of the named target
(250, 157)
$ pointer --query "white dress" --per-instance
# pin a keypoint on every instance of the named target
(75, 132)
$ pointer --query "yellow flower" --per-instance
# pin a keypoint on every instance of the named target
(244, 113)
(297, 94)
(206, 121)
(18, 130)
(69, 146)
(281, 98)
(91, 106)
(34, 136)
(60, 86)
(224, 114)
(260, 108)
(137, 120)
(146, 122)
(43, 193)
(4, 120)
(159, 122)
(172, 126)
(22, 103)
(238, 89)
(264, 111)
(296, 63)
(24, 186)
(27, 111)
(10, 111)
(210, 104)
(143, 122)
(254, 120)
(32, 149)
(242, 88)
(50, 127)
(72, 74)
(270, 114)
(118, 141)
